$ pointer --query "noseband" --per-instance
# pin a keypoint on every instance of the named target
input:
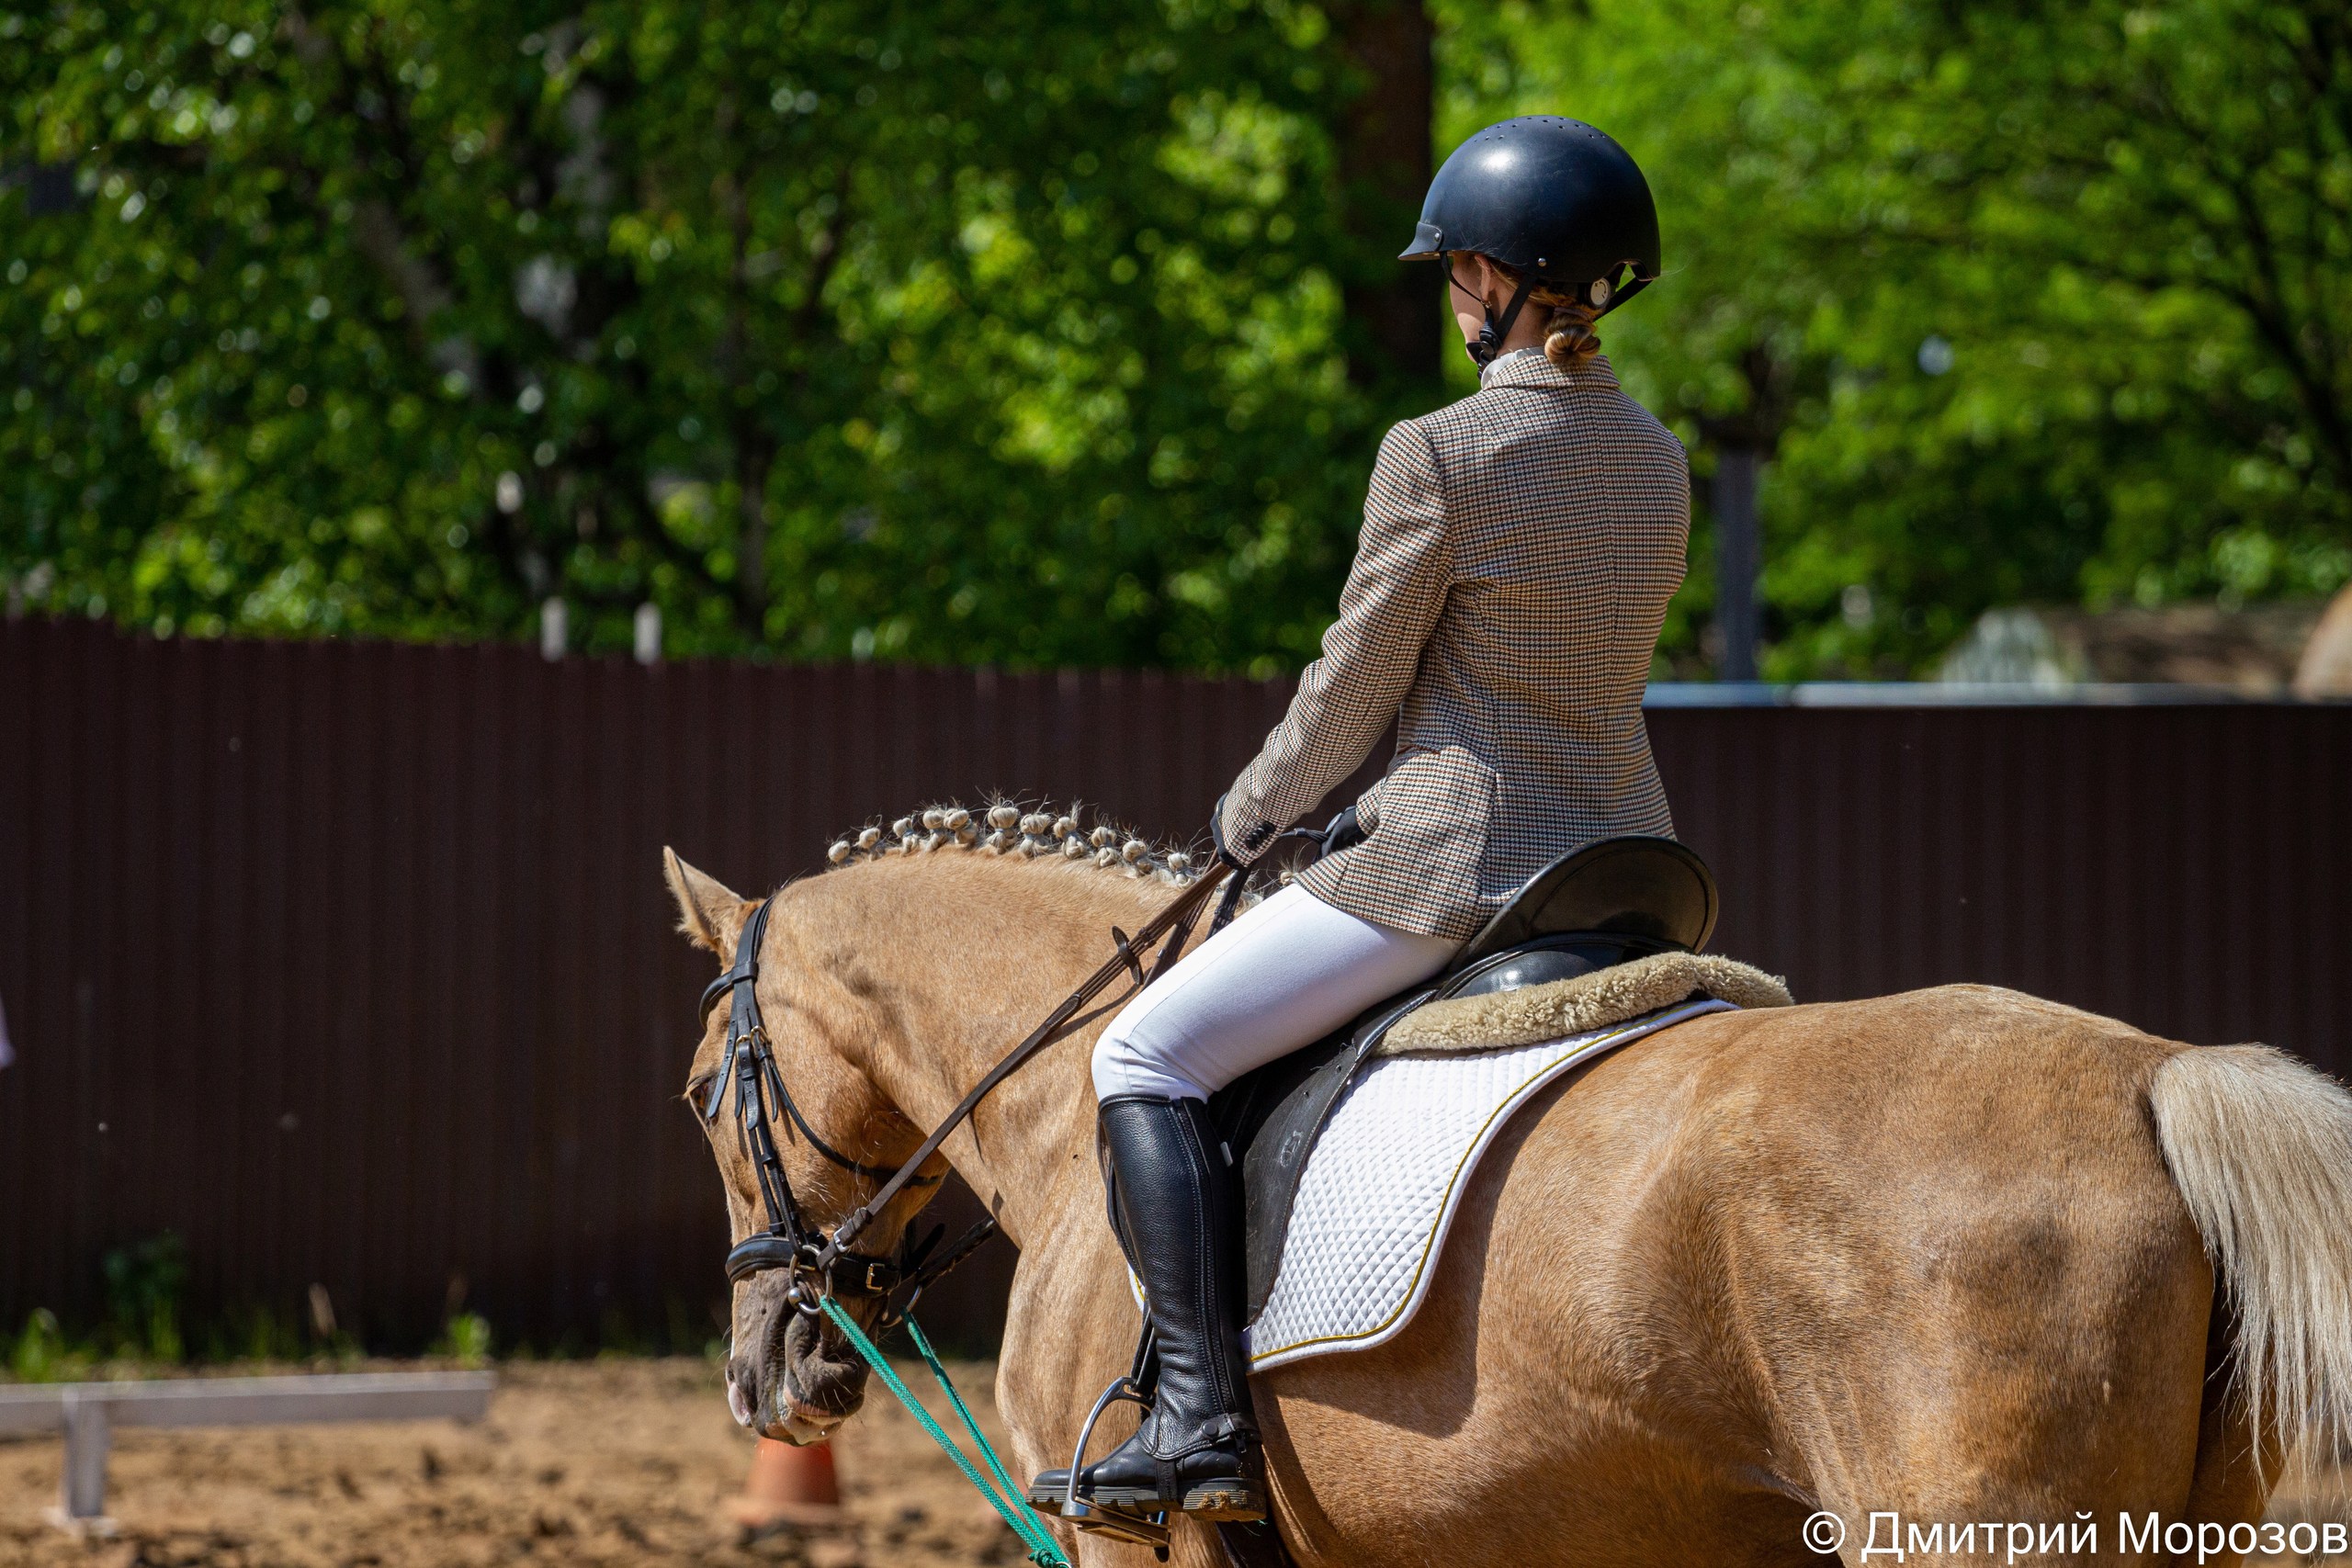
(820, 1265)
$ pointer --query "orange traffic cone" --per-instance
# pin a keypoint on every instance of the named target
(788, 1486)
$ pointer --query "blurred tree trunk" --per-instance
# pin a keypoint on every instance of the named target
(1384, 132)
(1738, 554)
(1744, 443)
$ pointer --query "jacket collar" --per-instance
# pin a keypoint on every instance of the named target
(1528, 367)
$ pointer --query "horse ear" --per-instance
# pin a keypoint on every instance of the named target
(710, 914)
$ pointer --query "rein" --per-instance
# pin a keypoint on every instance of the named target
(814, 1258)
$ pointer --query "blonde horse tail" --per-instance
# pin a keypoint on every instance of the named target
(2260, 1146)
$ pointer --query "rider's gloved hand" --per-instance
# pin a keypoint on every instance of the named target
(1344, 831)
(1217, 833)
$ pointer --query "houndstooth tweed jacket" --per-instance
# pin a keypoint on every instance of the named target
(1518, 551)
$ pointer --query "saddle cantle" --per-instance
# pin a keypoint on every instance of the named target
(1638, 890)
(1606, 904)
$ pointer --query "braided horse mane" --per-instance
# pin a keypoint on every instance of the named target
(1003, 828)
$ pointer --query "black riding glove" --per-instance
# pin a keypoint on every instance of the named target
(1216, 835)
(1342, 832)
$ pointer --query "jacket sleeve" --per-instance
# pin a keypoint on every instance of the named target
(1395, 592)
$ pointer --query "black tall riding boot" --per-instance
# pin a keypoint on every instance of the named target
(1197, 1451)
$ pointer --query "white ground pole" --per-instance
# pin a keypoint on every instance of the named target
(88, 1413)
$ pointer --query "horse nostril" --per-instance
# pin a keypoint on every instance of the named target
(739, 1401)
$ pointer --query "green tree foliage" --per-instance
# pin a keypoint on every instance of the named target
(982, 332)
(2034, 302)
(1056, 331)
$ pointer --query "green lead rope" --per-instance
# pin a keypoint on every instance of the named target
(1011, 1504)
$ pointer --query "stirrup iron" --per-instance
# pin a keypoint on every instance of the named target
(1117, 1522)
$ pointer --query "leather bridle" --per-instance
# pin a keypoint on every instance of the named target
(749, 1068)
(822, 1265)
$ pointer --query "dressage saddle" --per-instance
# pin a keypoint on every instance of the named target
(1606, 904)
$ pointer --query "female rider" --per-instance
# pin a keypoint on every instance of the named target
(1518, 551)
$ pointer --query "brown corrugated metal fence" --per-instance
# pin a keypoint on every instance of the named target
(353, 965)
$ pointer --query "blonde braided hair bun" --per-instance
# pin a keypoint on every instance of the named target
(1569, 340)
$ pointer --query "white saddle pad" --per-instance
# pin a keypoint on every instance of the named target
(1380, 1185)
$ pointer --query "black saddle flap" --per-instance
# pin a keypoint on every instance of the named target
(1269, 1120)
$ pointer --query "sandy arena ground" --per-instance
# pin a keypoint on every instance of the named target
(586, 1464)
(598, 1464)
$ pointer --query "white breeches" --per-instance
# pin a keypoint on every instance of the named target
(1282, 975)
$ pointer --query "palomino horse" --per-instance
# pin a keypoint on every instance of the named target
(1944, 1253)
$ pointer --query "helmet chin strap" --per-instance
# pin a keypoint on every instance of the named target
(1496, 328)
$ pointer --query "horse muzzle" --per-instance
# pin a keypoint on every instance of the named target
(801, 1378)
(778, 1415)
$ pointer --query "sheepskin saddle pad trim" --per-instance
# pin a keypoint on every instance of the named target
(1598, 1000)
(1384, 1178)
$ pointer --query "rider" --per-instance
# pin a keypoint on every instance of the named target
(1518, 551)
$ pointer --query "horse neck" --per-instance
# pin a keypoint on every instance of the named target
(954, 958)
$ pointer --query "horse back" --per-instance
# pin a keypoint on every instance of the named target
(1916, 1253)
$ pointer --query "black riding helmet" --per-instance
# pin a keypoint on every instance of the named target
(1554, 200)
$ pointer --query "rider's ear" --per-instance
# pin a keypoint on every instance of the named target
(709, 913)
